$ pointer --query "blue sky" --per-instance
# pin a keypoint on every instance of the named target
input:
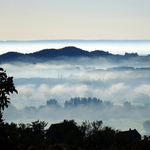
(74, 19)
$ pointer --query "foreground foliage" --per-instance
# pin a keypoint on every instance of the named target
(6, 88)
(66, 135)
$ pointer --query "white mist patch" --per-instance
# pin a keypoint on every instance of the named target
(145, 88)
(38, 93)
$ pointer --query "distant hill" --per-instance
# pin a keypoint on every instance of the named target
(10, 56)
(49, 54)
(68, 52)
(52, 54)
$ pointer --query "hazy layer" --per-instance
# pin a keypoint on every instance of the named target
(108, 80)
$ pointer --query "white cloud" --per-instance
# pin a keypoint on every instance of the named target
(145, 88)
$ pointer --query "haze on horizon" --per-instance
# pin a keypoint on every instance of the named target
(76, 19)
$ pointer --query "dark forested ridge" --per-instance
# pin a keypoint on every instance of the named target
(50, 54)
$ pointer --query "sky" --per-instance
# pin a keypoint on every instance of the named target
(74, 19)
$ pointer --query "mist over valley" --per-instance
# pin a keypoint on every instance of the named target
(118, 86)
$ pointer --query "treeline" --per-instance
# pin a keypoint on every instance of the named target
(74, 103)
(67, 135)
(89, 102)
(79, 102)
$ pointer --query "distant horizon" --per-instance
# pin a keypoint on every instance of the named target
(80, 39)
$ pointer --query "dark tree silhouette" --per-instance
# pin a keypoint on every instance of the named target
(38, 126)
(88, 128)
(77, 101)
(6, 88)
(52, 102)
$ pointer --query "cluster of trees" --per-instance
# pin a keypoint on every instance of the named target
(78, 101)
(52, 102)
(22, 136)
(74, 103)
(87, 102)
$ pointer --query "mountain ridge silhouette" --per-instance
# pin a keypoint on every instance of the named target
(69, 51)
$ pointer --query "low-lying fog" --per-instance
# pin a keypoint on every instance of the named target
(125, 85)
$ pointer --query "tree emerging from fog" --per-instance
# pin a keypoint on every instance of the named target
(83, 102)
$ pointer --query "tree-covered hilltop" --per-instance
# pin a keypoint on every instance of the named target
(65, 52)
(48, 54)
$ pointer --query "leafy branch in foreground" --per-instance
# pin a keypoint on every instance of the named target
(6, 88)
